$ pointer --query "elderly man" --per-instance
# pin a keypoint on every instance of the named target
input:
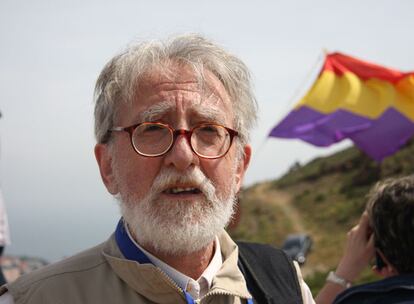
(172, 122)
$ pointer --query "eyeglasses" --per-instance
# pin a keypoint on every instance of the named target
(152, 139)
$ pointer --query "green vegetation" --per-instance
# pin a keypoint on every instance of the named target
(329, 194)
(260, 221)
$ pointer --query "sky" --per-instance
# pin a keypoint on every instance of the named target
(51, 53)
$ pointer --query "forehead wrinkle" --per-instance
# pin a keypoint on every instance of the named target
(191, 86)
(209, 112)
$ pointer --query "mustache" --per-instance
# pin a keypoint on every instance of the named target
(194, 177)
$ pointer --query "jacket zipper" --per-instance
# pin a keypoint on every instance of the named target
(173, 284)
(223, 293)
(170, 281)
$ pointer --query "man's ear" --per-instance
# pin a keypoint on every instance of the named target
(242, 166)
(387, 270)
(104, 158)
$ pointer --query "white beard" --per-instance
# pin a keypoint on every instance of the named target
(178, 227)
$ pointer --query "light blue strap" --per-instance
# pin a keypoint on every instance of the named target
(249, 301)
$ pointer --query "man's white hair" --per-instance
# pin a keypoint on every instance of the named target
(122, 75)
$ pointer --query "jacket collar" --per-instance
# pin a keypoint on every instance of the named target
(153, 284)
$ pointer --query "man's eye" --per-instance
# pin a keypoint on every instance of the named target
(153, 128)
(208, 129)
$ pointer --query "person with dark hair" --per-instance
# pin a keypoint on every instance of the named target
(385, 233)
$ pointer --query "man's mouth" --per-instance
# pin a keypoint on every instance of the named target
(182, 190)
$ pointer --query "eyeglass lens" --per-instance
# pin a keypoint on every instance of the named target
(206, 140)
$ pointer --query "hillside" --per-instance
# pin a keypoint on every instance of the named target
(323, 198)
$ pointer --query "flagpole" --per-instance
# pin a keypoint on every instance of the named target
(320, 59)
(295, 95)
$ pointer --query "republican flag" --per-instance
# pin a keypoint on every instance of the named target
(367, 103)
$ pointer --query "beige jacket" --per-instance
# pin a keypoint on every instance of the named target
(102, 275)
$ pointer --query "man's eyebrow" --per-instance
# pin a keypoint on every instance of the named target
(156, 111)
(160, 109)
(209, 114)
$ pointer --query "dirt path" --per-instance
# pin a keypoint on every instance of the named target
(282, 200)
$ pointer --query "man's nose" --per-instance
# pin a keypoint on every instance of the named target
(181, 155)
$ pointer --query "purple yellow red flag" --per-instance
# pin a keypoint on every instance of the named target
(367, 103)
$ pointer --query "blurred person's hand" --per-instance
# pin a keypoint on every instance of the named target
(359, 250)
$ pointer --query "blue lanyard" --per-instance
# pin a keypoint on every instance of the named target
(132, 252)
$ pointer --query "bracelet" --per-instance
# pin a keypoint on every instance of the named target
(334, 278)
